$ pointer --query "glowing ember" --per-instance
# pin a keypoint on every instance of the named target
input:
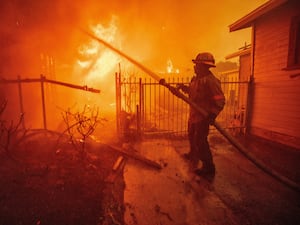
(170, 67)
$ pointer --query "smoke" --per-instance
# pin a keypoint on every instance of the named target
(153, 32)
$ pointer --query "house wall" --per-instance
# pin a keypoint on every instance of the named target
(245, 67)
(244, 75)
(276, 108)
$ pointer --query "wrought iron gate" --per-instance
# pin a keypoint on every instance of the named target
(146, 108)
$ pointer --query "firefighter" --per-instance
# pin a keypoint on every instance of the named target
(204, 90)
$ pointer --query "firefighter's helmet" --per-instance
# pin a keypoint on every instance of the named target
(205, 58)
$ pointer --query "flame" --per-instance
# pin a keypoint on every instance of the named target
(97, 62)
(170, 68)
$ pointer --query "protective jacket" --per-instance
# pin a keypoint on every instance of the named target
(207, 93)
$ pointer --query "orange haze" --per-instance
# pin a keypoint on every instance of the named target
(156, 33)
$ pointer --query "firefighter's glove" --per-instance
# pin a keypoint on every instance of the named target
(173, 90)
(162, 82)
(182, 87)
(212, 118)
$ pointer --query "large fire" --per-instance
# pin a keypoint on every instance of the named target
(98, 62)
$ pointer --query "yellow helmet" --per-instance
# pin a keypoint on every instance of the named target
(205, 58)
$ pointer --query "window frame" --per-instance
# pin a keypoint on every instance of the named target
(293, 60)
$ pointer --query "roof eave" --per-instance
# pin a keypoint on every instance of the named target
(248, 20)
(239, 53)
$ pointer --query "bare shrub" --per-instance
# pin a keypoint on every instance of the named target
(80, 126)
(9, 132)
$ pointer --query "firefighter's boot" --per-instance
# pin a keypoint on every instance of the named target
(207, 171)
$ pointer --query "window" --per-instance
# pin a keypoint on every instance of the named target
(294, 44)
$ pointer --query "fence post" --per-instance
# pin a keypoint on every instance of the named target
(43, 101)
(141, 104)
(21, 101)
(248, 110)
(138, 121)
(118, 101)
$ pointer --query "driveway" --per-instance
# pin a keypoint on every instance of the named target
(240, 193)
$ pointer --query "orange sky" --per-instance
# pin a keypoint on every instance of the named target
(150, 31)
(154, 32)
(179, 31)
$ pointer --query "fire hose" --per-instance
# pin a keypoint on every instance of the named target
(180, 95)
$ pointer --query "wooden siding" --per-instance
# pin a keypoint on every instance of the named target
(276, 107)
(245, 67)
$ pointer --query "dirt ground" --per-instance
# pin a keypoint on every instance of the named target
(50, 183)
(45, 183)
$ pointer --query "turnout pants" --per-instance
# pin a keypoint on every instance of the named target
(199, 146)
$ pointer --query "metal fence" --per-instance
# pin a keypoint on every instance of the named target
(22, 95)
(147, 108)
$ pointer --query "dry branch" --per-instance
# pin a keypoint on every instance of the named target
(80, 126)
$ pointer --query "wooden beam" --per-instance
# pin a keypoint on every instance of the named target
(133, 155)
